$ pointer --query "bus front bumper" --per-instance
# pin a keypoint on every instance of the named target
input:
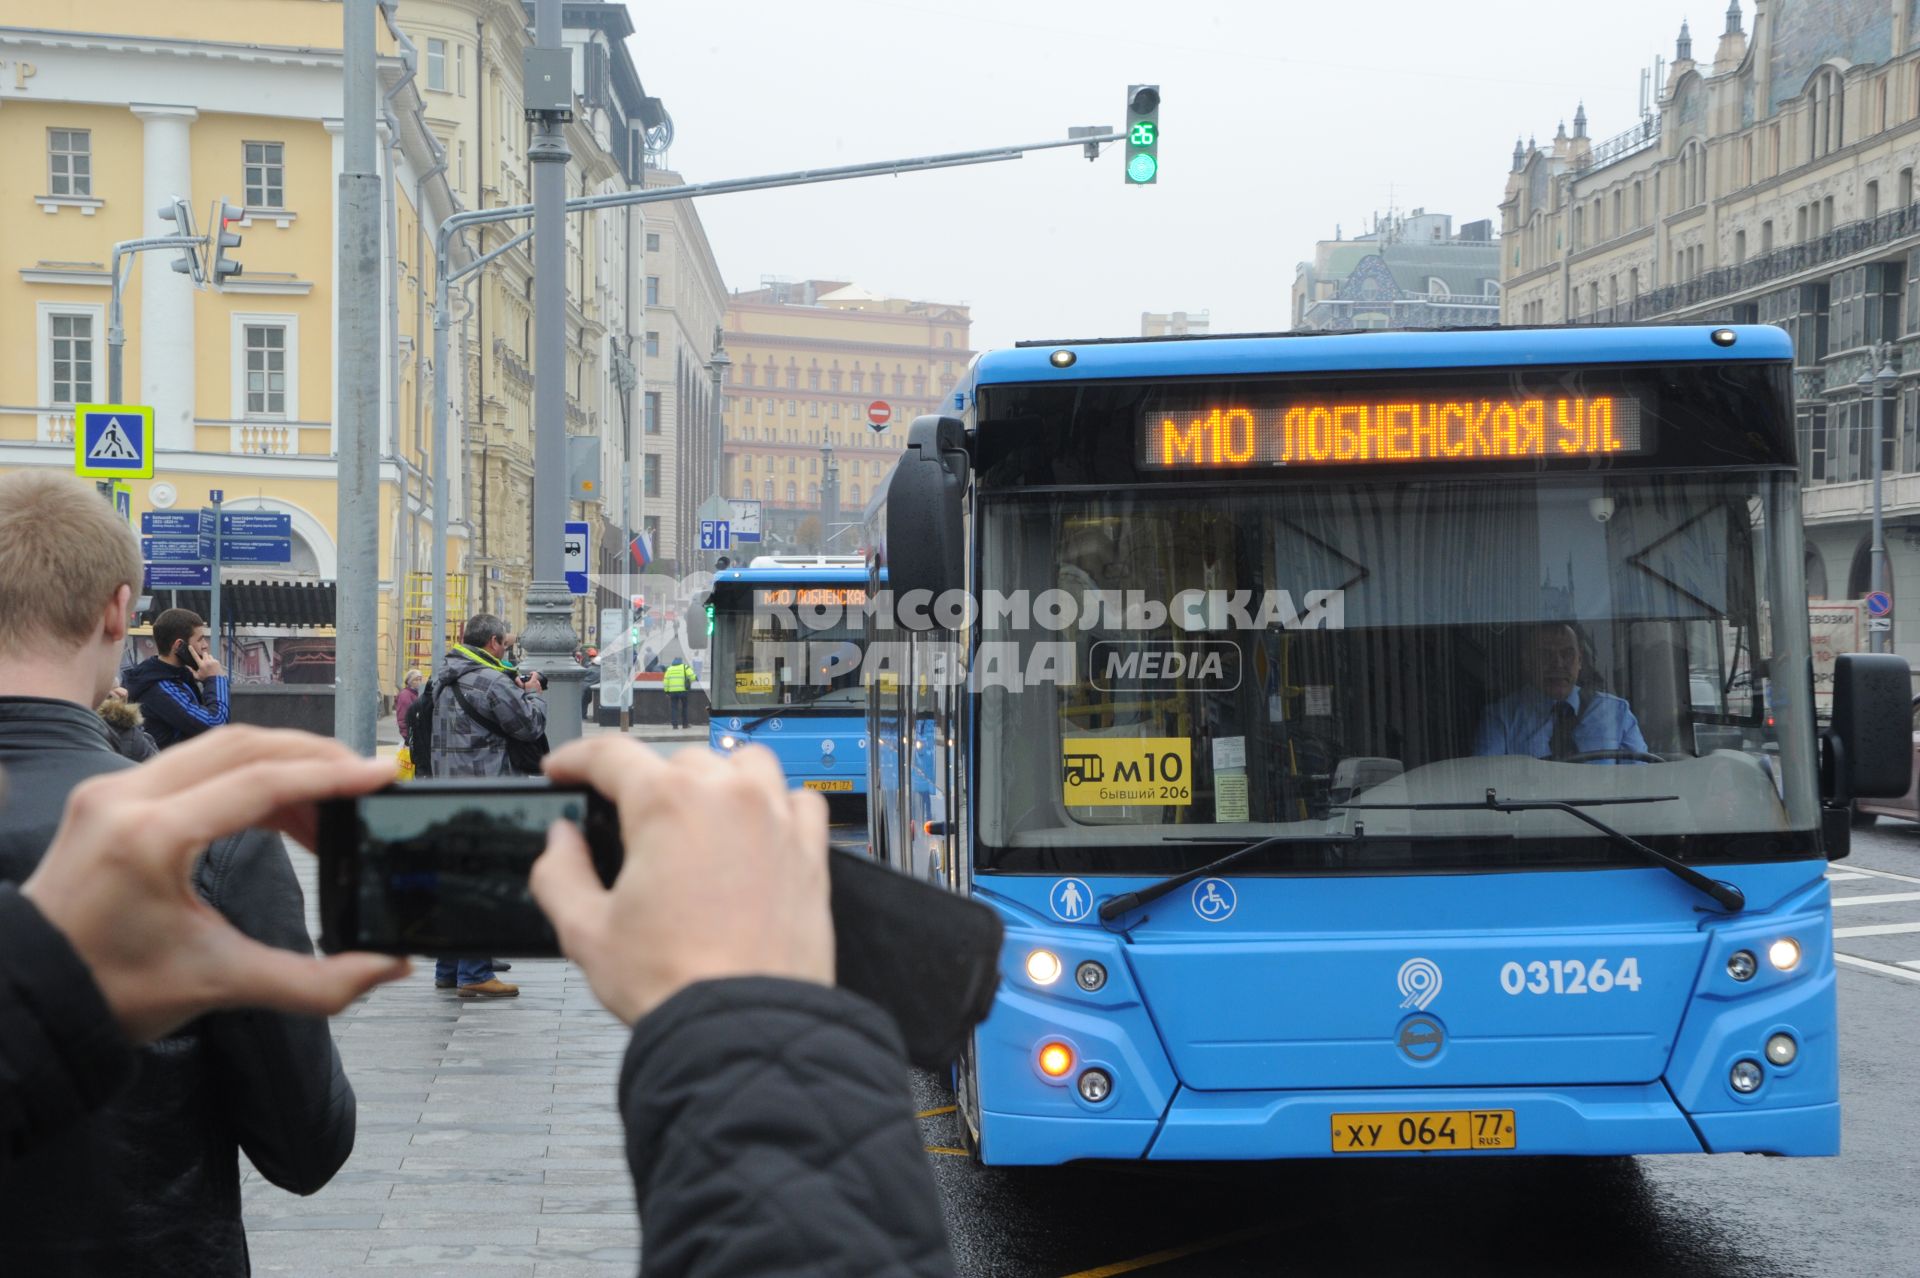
(1580, 1121)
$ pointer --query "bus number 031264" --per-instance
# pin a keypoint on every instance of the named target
(1570, 976)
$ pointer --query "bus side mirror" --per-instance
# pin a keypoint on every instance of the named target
(924, 521)
(1869, 745)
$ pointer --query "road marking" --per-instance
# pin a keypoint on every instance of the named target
(1883, 898)
(946, 1149)
(935, 1113)
(1173, 1253)
(1884, 874)
(1912, 963)
(1868, 965)
(1841, 876)
(1877, 929)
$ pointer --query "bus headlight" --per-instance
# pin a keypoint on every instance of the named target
(1784, 954)
(1043, 967)
(728, 742)
(1742, 965)
(1782, 1050)
(1746, 1077)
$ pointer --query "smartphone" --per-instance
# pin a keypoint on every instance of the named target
(439, 867)
(184, 654)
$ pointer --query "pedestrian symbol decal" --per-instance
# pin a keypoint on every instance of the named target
(113, 445)
(1071, 900)
(1214, 900)
(1419, 981)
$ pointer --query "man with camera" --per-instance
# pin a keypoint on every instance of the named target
(150, 1181)
(488, 721)
(181, 690)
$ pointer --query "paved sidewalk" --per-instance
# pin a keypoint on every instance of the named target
(489, 1143)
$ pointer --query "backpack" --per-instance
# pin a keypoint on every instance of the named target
(420, 727)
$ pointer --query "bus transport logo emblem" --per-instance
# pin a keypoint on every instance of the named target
(1071, 900)
(1214, 899)
(1421, 1038)
(1419, 983)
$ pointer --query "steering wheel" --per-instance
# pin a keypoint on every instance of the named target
(1585, 756)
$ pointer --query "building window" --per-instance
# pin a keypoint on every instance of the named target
(1826, 113)
(793, 465)
(766, 408)
(1872, 201)
(813, 494)
(746, 464)
(813, 379)
(793, 408)
(653, 290)
(793, 493)
(1739, 247)
(437, 65)
(69, 162)
(1639, 203)
(460, 69)
(793, 378)
(855, 493)
(835, 410)
(813, 408)
(653, 345)
(650, 414)
(768, 490)
(266, 175)
(653, 241)
(70, 344)
(650, 475)
(1766, 236)
(460, 166)
(859, 381)
(266, 366)
(899, 384)
(833, 379)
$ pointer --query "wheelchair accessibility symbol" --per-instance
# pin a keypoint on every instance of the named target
(1213, 899)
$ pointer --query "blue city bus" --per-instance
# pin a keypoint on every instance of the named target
(1376, 744)
(785, 670)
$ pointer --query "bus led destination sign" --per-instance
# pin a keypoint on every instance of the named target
(1307, 432)
(812, 597)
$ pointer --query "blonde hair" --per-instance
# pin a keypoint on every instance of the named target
(406, 680)
(63, 554)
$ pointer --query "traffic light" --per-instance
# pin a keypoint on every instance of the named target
(180, 213)
(1143, 134)
(709, 617)
(224, 216)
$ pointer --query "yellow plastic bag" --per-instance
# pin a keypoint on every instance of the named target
(405, 760)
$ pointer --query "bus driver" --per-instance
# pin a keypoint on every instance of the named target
(1552, 716)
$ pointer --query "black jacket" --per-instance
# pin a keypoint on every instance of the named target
(174, 704)
(770, 1131)
(61, 1055)
(150, 1183)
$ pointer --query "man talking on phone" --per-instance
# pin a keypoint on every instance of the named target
(182, 690)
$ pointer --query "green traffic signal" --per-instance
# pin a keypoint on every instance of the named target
(1143, 134)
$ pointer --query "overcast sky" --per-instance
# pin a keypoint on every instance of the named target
(1280, 119)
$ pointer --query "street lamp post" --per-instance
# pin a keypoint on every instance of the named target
(717, 367)
(1881, 384)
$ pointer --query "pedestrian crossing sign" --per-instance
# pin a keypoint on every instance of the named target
(113, 441)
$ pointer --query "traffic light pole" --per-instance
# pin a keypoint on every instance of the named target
(116, 319)
(444, 276)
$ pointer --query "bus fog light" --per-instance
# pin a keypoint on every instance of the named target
(1095, 1086)
(1784, 954)
(1746, 1077)
(1781, 1049)
(1056, 1059)
(1090, 976)
(1742, 965)
(1043, 967)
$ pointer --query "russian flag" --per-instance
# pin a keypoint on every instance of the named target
(642, 551)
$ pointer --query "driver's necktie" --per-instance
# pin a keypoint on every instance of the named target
(1560, 745)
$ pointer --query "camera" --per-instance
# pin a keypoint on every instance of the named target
(1601, 508)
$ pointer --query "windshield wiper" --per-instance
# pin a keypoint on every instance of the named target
(1730, 898)
(1114, 907)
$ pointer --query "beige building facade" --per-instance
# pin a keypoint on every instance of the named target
(1771, 181)
(811, 364)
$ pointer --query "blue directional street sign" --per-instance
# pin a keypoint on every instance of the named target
(173, 576)
(216, 495)
(113, 441)
(175, 549)
(255, 523)
(716, 534)
(252, 550)
(173, 523)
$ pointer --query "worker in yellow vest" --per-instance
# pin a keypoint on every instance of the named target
(677, 680)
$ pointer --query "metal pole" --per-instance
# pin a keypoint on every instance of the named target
(442, 394)
(213, 594)
(548, 636)
(356, 395)
(829, 496)
(717, 367)
(116, 335)
(1883, 384)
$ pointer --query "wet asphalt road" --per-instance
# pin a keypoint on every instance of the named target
(1717, 1217)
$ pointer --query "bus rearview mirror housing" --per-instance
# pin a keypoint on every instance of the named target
(924, 518)
(1869, 745)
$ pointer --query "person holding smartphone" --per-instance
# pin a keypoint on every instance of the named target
(182, 690)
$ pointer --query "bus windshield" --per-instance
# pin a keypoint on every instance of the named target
(1322, 660)
(771, 650)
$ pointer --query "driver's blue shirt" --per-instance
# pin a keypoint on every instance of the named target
(1522, 723)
